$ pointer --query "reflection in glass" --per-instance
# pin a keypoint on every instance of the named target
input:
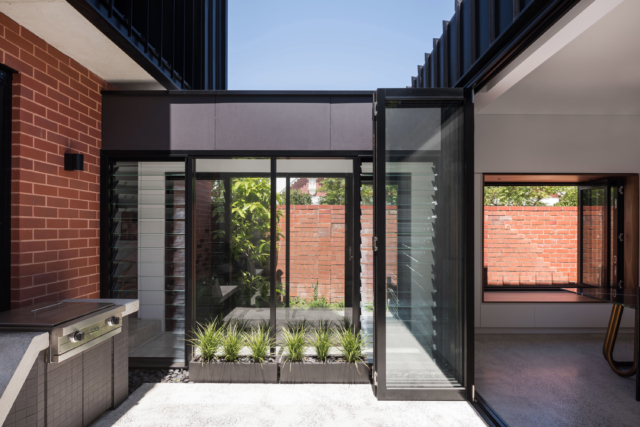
(424, 254)
(316, 287)
(366, 261)
(146, 215)
(593, 230)
(232, 240)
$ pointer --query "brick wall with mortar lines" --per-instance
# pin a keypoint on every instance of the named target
(530, 245)
(320, 252)
(317, 250)
(55, 213)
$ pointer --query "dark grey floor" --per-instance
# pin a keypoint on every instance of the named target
(555, 380)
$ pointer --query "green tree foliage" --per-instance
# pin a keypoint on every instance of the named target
(250, 230)
(298, 197)
(335, 191)
(366, 193)
(569, 198)
(529, 195)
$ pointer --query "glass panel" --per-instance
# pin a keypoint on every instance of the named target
(593, 232)
(366, 257)
(146, 214)
(317, 290)
(316, 282)
(424, 253)
(232, 253)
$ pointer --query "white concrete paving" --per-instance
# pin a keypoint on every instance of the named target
(278, 405)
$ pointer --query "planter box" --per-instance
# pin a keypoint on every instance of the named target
(329, 373)
(233, 372)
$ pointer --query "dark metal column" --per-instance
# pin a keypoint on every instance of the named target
(190, 191)
(288, 242)
(274, 248)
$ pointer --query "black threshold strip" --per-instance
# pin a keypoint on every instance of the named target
(487, 413)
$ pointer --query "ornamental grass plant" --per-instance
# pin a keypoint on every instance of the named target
(293, 344)
(259, 343)
(231, 345)
(208, 339)
(351, 345)
(321, 342)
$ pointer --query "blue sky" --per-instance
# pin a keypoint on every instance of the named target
(330, 44)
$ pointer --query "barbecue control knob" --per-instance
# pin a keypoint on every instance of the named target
(76, 336)
(113, 321)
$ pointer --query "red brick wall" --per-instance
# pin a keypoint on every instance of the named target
(530, 245)
(54, 220)
(317, 251)
(592, 221)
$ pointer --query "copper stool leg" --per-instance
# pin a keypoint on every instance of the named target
(610, 342)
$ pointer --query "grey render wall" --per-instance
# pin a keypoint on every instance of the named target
(210, 121)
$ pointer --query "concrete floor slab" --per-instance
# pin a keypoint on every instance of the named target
(267, 405)
(555, 380)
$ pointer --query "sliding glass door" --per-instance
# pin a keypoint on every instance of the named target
(423, 245)
(273, 241)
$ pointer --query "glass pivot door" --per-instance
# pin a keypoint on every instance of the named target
(601, 230)
(423, 244)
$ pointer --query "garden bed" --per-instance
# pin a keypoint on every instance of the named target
(312, 371)
(245, 370)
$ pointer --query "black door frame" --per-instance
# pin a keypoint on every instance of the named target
(6, 81)
(108, 158)
(464, 96)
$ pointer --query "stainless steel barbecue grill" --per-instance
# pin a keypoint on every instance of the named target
(73, 327)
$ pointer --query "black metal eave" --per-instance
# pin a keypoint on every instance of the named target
(534, 21)
(239, 93)
(109, 30)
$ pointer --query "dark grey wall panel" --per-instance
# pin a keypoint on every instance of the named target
(273, 123)
(193, 125)
(135, 123)
(210, 121)
(351, 123)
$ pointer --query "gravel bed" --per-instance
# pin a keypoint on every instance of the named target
(137, 377)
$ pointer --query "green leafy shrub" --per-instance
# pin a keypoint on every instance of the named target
(316, 302)
(321, 342)
(208, 338)
(351, 345)
(298, 197)
(232, 343)
(259, 342)
(293, 344)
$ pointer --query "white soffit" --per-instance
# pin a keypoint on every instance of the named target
(587, 63)
(63, 27)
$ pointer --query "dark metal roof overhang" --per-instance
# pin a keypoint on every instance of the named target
(483, 37)
(180, 43)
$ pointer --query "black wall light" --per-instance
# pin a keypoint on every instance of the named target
(73, 162)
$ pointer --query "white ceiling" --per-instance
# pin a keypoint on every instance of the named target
(60, 25)
(597, 73)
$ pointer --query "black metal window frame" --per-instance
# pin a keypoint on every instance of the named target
(607, 184)
(108, 158)
(610, 221)
(6, 80)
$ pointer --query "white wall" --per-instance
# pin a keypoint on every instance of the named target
(151, 237)
(510, 143)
